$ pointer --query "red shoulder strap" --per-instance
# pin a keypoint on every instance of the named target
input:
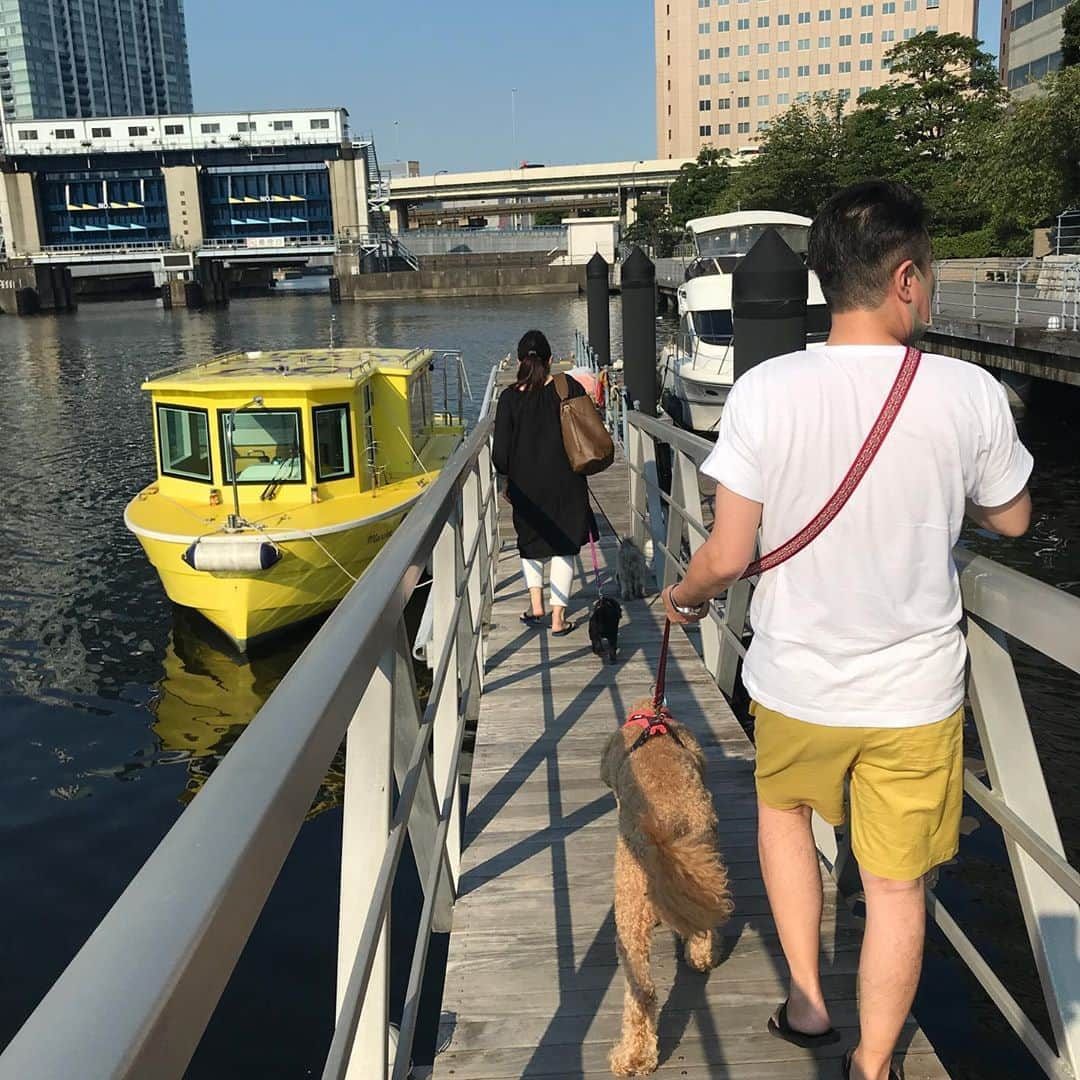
(862, 462)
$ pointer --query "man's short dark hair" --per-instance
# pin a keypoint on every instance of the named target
(861, 235)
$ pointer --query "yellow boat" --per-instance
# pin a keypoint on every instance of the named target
(282, 473)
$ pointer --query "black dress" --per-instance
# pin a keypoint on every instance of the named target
(550, 500)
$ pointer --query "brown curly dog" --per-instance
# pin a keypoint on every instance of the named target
(667, 867)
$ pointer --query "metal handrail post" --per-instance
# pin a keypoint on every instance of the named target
(368, 795)
(473, 528)
(974, 290)
(446, 581)
(1076, 295)
(1012, 762)
(1016, 306)
(686, 477)
(634, 439)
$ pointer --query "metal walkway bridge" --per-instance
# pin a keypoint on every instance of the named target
(532, 988)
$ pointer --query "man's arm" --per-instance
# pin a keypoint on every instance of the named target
(723, 557)
(1012, 519)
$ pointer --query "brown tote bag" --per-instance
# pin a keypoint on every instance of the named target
(587, 442)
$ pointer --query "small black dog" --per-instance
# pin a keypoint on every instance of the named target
(604, 626)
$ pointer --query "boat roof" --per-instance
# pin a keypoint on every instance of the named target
(297, 369)
(746, 217)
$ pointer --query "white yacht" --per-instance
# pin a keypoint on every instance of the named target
(698, 370)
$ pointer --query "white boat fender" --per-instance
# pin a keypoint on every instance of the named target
(232, 553)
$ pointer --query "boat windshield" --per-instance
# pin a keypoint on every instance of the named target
(741, 238)
(712, 327)
(265, 446)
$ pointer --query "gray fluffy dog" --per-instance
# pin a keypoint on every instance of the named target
(631, 571)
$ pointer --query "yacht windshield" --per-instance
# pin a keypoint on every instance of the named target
(741, 238)
(713, 327)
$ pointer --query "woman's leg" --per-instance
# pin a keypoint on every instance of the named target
(562, 583)
(533, 569)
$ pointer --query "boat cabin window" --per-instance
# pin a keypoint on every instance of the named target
(713, 327)
(184, 440)
(741, 238)
(265, 446)
(333, 449)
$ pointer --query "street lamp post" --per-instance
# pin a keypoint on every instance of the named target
(513, 121)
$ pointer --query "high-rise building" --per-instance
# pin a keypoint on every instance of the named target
(1030, 43)
(726, 68)
(85, 58)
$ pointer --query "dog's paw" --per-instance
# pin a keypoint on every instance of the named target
(636, 1058)
(700, 953)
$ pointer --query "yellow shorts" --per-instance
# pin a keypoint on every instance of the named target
(907, 785)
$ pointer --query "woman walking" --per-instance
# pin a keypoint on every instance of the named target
(551, 501)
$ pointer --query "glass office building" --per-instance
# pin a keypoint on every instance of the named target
(1030, 43)
(75, 58)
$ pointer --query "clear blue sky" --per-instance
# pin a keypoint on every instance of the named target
(444, 71)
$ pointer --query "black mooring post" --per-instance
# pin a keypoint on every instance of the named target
(639, 329)
(768, 303)
(596, 297)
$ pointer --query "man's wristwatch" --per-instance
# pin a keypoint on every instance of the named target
(687, 612)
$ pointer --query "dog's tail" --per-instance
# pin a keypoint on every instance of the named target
(688, 883)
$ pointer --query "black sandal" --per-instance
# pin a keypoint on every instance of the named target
(894, 1072)
(529, 619)
(565, 630)
(779, 1026)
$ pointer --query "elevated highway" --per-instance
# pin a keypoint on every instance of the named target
(625, 179)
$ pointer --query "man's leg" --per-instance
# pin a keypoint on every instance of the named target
(889, 969)
(789, 864)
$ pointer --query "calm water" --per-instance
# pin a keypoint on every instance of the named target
(115, 708)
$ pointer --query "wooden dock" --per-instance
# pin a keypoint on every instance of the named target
(532, 984)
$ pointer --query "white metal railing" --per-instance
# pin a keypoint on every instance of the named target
(1042, 293)
(999, 603)
(585, 356)
(135, 247)
(253, 243)
(136, 999)
(1066, 232)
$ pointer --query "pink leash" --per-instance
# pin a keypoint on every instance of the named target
(595, 564)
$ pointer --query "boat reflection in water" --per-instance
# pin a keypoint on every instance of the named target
(209, 694)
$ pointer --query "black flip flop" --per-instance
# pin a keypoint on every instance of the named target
(894, 1072)
(529, 619)
(568, 628)
(779, 1026)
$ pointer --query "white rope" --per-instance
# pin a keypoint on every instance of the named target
(315, 540)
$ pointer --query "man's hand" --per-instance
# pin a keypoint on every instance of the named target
(677, 617)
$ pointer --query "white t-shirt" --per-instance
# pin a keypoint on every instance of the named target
(860, 629)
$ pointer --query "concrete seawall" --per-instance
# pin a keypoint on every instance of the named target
(456, 281)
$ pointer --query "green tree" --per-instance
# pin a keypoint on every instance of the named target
(799, 163)
(939, 83)
(699, 186)
(1070, 36)
(653, 230)
(1026, 169)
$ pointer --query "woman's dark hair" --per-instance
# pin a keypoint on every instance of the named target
(534, 360)
(861, 235)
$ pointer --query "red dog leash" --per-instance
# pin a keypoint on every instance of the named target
(656, 720)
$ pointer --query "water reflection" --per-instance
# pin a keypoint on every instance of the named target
(208, 694)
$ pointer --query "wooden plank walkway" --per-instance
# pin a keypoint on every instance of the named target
(532, 985)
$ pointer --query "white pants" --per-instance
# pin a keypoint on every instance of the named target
(562, 577)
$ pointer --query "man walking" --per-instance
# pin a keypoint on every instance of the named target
(856, 669)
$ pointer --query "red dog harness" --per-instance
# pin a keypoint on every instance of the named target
(655, 721)
(651, 724)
